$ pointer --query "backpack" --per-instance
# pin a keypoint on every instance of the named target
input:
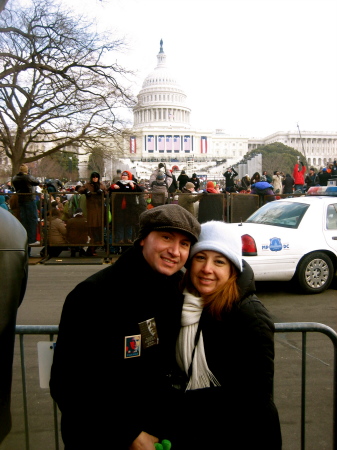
(158, 189)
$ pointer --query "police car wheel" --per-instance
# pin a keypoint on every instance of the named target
(315, 272)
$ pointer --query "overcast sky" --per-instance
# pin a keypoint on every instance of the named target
(250, 67)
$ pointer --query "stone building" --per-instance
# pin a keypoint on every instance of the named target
(318, 147)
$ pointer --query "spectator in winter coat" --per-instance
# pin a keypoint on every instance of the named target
(225, 349)
(262, 187)
(323, 177)
(56, 234)
(94, 191)
(298, 175)
(264, 190)
(159, 190)
(288, 184)
(99, 386)
(268, 177)
(245, 182)
(174, 184)
(77, 232)
(277, 182)
(230, 175)
(125, 207)
(195, 180)
(334, 169)
(25, 184)
(54, 185)
(182, 179)
(187, 198)
(162, 169)
(255, 178)
(311, 179)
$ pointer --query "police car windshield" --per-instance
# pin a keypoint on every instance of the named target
(280, 214)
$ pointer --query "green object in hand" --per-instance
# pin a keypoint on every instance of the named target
(165, 445)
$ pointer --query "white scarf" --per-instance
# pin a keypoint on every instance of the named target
(201, 376)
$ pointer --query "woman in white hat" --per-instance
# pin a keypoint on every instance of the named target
(226, 350)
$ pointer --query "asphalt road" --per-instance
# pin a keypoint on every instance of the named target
(42, 305)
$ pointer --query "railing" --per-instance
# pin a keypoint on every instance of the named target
(302, 327)
(116, 219)
(22, 330)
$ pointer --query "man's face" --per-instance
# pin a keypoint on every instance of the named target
(166, 251)
(133, 344)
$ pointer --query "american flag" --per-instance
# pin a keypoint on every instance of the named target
(187, 143)
(176, 141)
(161, 142)
(168, 142)
(132, 144)
(203, 144)
(150, 143)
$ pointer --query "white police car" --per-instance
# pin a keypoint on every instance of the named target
(294, 238)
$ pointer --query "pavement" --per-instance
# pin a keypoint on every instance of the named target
(48, 285)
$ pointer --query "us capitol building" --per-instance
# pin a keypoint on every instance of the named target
(162, 125)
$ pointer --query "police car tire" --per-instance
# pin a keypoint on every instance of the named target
(315, 272)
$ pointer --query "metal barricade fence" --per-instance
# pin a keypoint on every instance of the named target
(119, 215)
(298, 327)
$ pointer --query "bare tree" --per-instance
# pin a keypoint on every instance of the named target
(3, 4)
(58, 86)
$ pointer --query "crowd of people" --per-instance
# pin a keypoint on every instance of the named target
(80, 217)
(300, 180)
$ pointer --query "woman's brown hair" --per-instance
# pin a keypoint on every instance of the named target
(220, 300)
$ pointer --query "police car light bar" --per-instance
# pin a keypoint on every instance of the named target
(322, 190)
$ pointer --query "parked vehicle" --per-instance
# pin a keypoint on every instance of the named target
(294, 238)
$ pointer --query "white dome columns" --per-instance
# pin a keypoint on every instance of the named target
(161, 102)
(148, 116)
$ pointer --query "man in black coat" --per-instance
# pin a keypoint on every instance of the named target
(230, 175)
(195, 180)
(107, 393)
(25, 184)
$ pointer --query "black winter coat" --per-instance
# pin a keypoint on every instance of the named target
(239, 349)
(105, 399)
(288, 184)
(24, 184)
(182, 180)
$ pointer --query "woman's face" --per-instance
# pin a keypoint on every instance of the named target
(209, 271)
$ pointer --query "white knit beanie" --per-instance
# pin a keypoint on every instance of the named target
(220, 237)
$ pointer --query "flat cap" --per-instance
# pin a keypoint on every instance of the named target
(168, 217)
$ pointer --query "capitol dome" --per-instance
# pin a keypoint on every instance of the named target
(161, 101)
